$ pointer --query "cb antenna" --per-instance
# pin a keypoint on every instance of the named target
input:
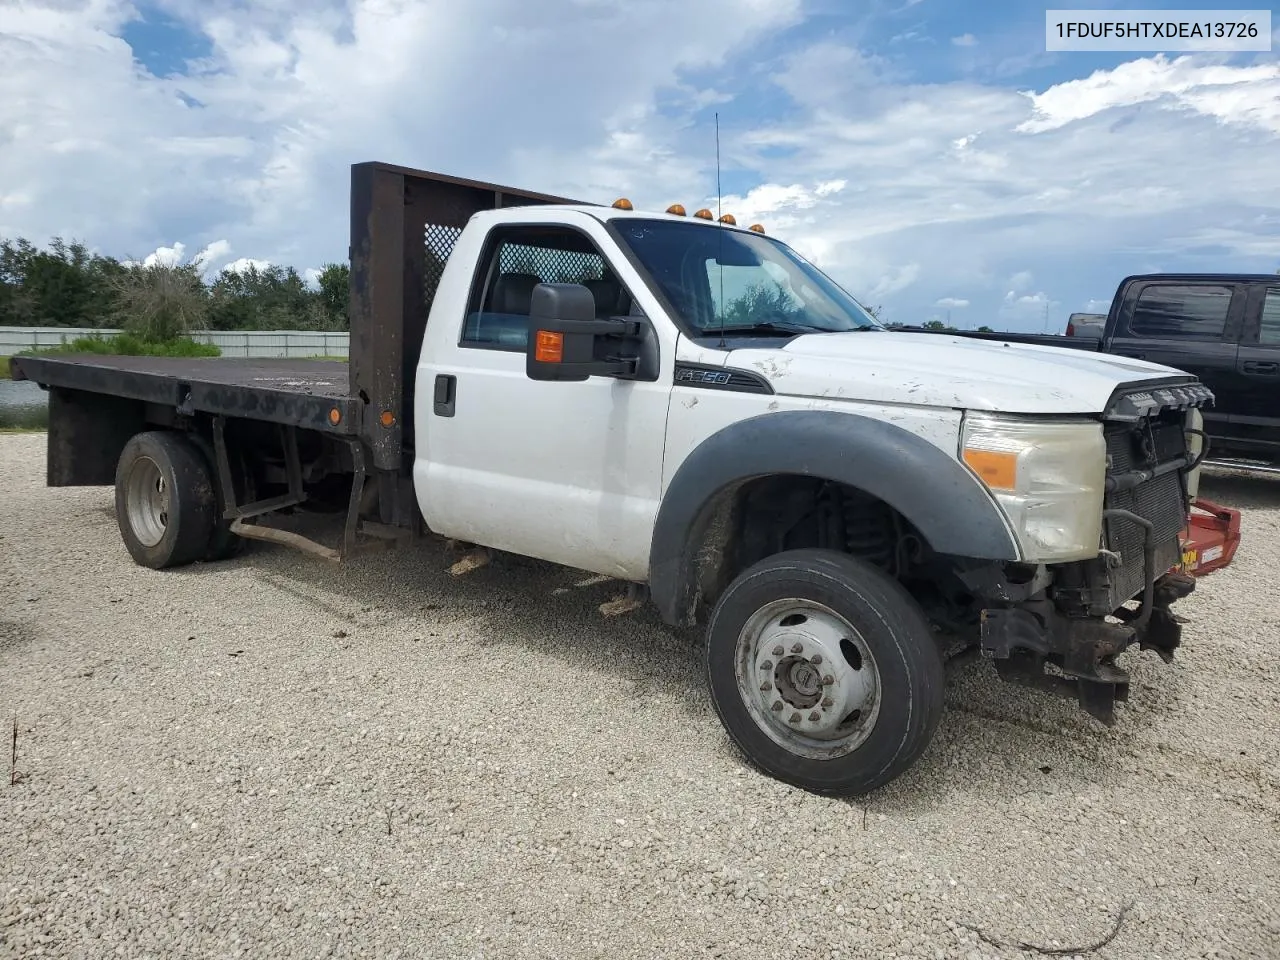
(720, 224)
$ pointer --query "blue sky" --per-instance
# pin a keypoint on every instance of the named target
(930, 154)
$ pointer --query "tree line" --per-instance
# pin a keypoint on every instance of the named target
(66, 285)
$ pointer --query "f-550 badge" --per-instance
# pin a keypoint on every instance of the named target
(703, 376)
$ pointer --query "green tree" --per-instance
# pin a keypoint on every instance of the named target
(758, 303)
(334, 283)
(64, 286)
(985, 329)
(162, 302)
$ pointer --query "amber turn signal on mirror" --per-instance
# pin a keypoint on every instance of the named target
(549, 347)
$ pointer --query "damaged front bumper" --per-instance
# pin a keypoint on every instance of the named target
(1037, 645)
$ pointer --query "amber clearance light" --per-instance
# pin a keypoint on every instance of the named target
(549, 347)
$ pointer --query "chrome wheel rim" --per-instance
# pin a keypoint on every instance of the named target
(147, 501)
(808, 679)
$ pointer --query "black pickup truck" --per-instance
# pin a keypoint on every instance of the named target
(1222, 327)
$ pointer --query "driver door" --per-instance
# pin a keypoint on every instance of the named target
(566, 472)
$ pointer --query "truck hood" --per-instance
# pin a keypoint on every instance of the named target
(926, 369)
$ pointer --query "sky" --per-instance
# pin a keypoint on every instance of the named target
(930, 155)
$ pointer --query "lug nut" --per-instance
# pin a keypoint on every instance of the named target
(815, 716)
(778, 651)
(826, 702)
(766, 686)
(816, 659)
(795, 718)
(828, 680)
(767, 665)
(777, 706)
(797, 647)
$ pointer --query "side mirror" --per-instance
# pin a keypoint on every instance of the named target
(567, 342)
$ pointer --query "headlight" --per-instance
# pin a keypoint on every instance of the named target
(1048, 475)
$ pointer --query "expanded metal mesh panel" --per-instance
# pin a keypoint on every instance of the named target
(550, 265)
(1160, 501)
(439, 240)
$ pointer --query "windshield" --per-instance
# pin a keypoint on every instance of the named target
(717, 278)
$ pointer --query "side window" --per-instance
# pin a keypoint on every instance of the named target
(518, 259)
(1269, 332)
(1168, 311)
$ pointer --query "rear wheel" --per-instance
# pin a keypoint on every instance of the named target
(165, 502)
(824, 671)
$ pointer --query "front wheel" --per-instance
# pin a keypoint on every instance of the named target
(824, 671)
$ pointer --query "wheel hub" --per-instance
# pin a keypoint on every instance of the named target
(798, 681)
(147, 501)
(808, 678)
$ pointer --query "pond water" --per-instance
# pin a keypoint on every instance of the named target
(23, 404)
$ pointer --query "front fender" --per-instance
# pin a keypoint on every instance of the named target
(941, 498)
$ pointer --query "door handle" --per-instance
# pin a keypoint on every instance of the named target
(1261, 368)
(445, 394)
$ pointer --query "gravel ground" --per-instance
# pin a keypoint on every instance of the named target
(272, 756)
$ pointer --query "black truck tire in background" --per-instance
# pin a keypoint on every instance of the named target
(165, 502)
(886, 633)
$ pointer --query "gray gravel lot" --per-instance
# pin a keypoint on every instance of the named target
(273, 756)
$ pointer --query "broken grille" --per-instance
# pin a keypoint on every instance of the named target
(1160, 500)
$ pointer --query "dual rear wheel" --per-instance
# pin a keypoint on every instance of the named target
(167, 507)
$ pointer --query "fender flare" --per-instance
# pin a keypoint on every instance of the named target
(945, 502)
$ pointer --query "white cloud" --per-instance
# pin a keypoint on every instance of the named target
(951, 303)
(965, 40)
(245, 264)
(896, 280)
(161, 256)
(1021, 280)
(212, 255)
(1028, 311)
(289, 97)
(1245, 95)
(906, 190)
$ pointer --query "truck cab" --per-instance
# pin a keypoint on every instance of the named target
(690, 405)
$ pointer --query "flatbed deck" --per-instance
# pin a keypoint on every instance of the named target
(300, 393)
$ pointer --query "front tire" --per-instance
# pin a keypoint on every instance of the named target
(165, 503)
(824, 671)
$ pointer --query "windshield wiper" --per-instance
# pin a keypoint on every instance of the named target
(783, 329)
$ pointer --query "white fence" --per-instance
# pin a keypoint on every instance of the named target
(237, 343)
